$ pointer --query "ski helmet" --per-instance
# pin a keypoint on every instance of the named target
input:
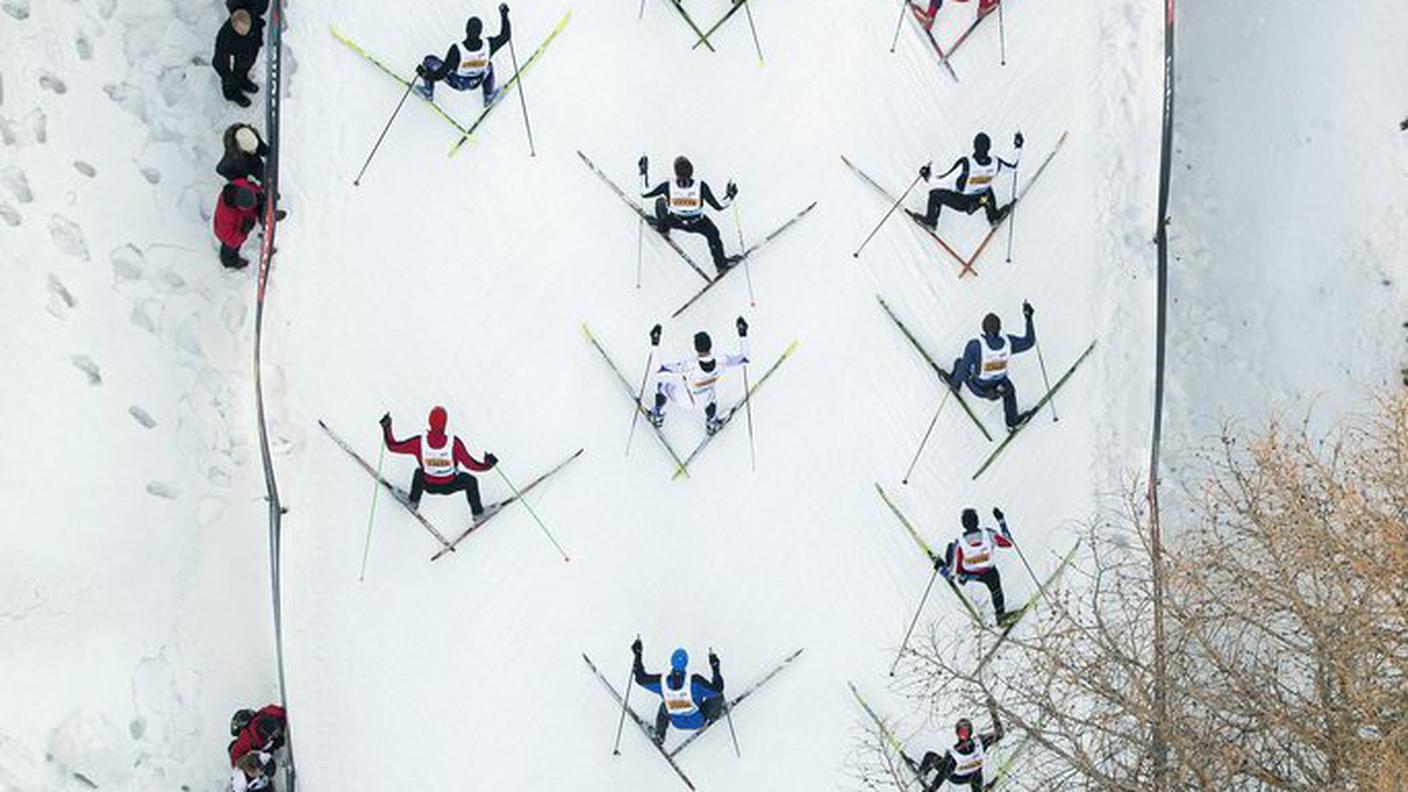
(438, 418)
(239, 720)
(679, 659)
(970, 520)
(981, 143)
(246, 140)
(964, 729)
(242, 197)
(992, 325)
(703, 344)
(472, 28)
(684, 169)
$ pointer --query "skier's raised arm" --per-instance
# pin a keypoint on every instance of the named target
(744, 350)
(708, 195)
(463, 458)
(411, 445)
(646, 680)
(1017, 141)
(1027, 341)
(505, 30)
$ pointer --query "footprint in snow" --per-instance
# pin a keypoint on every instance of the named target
(39, 125)
(152, 175)
(51, 82)
(19, 9)
(68, 237)
(61, 300)
(142, 417)
(9, 215)
(127, 261)
(14, 180)
(85, 169)
(2, 89)
(86, 365)
(84, 45)
(161, 490)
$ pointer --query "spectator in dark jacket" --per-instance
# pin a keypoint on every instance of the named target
(256, 7)
(236, 47)
(244, 154)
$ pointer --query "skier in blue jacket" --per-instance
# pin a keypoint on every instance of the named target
(984, 365)
(688, 702)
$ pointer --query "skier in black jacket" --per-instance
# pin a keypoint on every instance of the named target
(680, 204)
(236, 46)
(976, 173)
(470, 68)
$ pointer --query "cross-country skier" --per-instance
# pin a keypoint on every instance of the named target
(692, 382)
(680, 204)
(972, 557)
(976, 174)
(688, 701)
(984, 365)
(468, 68)
(926, 17)
(962, 764)
(443, 462)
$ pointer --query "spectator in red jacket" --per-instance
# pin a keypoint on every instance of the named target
(240, 206)
(441, 457)
(261, 731)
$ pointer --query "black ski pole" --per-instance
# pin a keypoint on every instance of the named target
(522, 96)
(728, 715)
(914, 621)
(641, 14)
(1042, 360)
(1012, 224)
(640, 227)
(748, 9)
(357, 182)
(876, 230)
(625, 704)
(649, 359)
(904, 6)
(927, 432)
(747, 400)
(742, 248)
(1002, 33)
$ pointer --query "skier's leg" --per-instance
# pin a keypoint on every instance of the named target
(661, 221)
(711, 415)
(991, 209)
(424, 86)
(1008, 391)
(470, 485)
(662, 722)
(711, 234)
(993, 580)
(712, 708)
(417, 488)
(490, 93)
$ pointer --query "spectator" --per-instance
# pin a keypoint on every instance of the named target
(236, 47)
(254, 772)
(257, 732)
(241, 205)
(244, 154)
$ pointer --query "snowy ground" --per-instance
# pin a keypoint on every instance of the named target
(131, 628)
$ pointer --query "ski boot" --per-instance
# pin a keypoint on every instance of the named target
(1005, 620)
(426, 91)
(1022, 420)
(492, 96)
(945, 571)
(921, 219)
(655, 417)
(713, 424)
(1001, 215)
(728, 263)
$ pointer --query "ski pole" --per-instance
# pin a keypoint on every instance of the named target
(748, 9)
(518, 496)
(748, 402)
(630, 683)
(907, 191)
(640, 227)
(914, 621)
(1002, 33)
(649, 359)
(1047, 380)
(742, 248)
(357, 182)
(1011, 224)
(641, 14)
(371, 518)
(943, 400)
(728, 711)
(522, 96)
(904, 6)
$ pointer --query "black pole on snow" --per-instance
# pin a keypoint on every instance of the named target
(1012, 224)
(728, 715)
(625, 704)
(522, 97)
(748, 9)
(914, 621)
(876, 230)
(640, 394)
(927, 432)
(357, 182)
(904, 6)
(1002, 33)
(1047, 380)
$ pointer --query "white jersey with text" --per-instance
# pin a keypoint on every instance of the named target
(677, 702)
(978, 548)
(438, 462)
(687, 201)
(993, 366)
(965, 764)
(980, 177)
(473, 63)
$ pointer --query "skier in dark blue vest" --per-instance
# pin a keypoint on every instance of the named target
(688, 702)
(469, 66)
(983, 366)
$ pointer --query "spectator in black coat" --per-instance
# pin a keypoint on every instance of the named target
(244, 154)
(236, 47)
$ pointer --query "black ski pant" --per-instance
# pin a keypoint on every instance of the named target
(967, 204)
(463, 481)
(974, 781)
(991, 578)
(664, 221)
(1001, 389)
(712, 709)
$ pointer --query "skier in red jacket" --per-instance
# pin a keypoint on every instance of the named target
(926, 17)
(441, 457)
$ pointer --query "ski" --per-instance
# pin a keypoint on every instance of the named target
(886, 733)
(965, 34)
(917, 14)
(494, 508)
(865, 177)
(944, 376)
(398, 494)
(682, 470)
(743, 256)
(643, 216)
(644, 728)
(750, 690)
(1026, 607)
(992, 232)
(1008, 762)
(508, 86)
(703, 37)
(372, 59)
(928, 551)
(631, 394)
(1034, 410)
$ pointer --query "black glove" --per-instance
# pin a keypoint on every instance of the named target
(421, 71)
(713, 660)
(385, 421)
(503, 9)
(924, 171)
(730, 191)
(490, 459)
(998, 515)
(644, 164)
(1018, 140)
(655, 336)
(1027, 309)
(636, 648)
(742, 325)
(247, 225)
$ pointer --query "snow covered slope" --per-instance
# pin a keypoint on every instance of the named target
(463, 282)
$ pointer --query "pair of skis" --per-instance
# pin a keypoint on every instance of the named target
(965, 262)
(648, 731)
(401, 497)
(466, 133)
(682, 464)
